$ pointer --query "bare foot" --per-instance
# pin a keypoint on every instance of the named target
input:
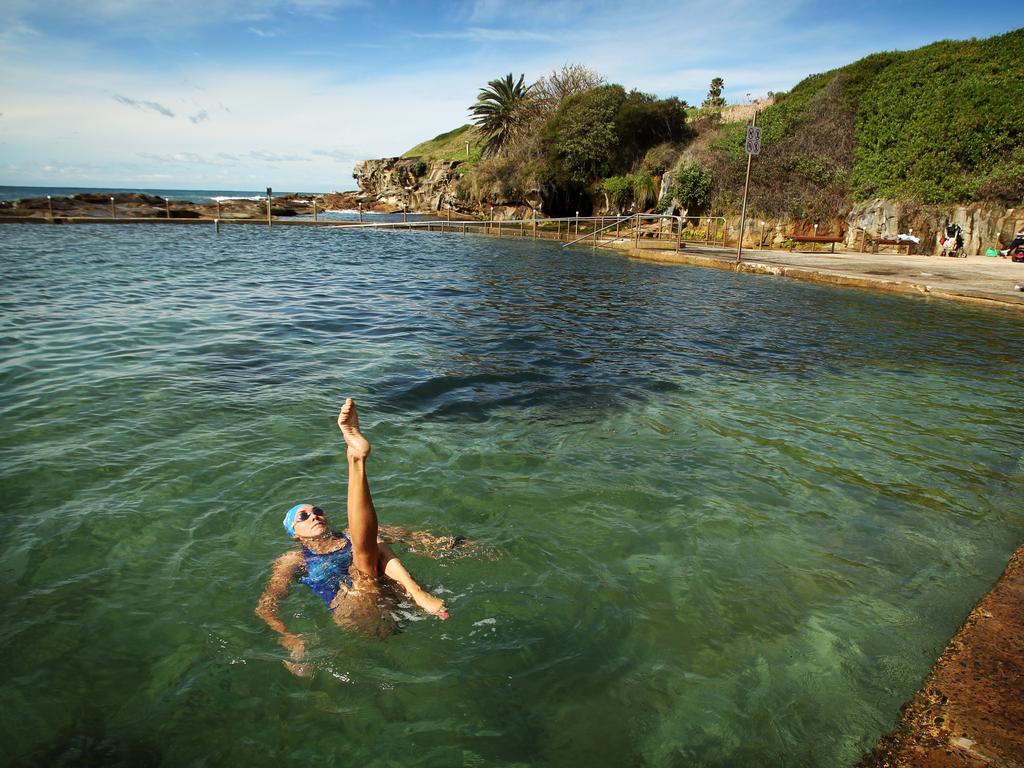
(348, 423)
(430, 604)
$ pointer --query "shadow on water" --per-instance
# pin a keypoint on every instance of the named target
(92, 749)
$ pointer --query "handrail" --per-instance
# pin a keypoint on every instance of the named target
(595, 232)
(498, 225)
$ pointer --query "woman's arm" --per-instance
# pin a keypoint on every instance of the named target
(283, 572)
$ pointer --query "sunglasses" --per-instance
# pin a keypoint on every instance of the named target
(303, 516)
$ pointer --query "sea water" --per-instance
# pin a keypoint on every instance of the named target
(186, 195)
(725, 520)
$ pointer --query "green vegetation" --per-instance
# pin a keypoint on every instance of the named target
(714, 99)
(498, 111)
(567, 132)
(691, 186)
(619, 190)
(940, 124)
(450, 145)
(945, 123)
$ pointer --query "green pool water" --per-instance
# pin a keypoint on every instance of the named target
(728, 520)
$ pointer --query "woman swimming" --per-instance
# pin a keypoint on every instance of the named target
(343, 569)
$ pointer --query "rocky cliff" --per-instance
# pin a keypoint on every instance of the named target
(407, 182)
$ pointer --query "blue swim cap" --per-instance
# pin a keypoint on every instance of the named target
(289, 519)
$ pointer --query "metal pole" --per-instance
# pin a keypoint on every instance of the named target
(577, 234)
(760, 242)
(679, 234)
(49, 204)
(113, 214)
(314, 210)
(218, 209)
(270, 193)
(360, 212)
(636, 242)
(405, 213)
(743, 209)
(167, 207)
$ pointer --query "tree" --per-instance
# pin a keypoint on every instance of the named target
(497, 110)
(714, 98)
(691, 186)
(581, 140)
(605, 131)
(551, 90)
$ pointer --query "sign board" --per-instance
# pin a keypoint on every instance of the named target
(753, 145)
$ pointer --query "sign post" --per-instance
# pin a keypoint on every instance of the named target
(270, 194)
(753, 147)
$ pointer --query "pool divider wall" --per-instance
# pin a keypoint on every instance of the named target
(970, 710)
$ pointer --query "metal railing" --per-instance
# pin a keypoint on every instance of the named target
(679, 230)
(710, 230)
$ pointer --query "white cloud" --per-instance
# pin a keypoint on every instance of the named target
(275, 157)
(178, 157)
(137, 104)
(338, 155)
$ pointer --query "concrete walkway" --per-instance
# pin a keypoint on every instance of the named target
(975, 279)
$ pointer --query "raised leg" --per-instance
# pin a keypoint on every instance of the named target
(362, 517)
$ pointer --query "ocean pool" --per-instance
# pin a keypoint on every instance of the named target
(733, 518)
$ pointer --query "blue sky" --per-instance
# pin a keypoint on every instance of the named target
(242, 94)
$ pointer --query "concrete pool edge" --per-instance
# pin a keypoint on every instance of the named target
(969, 712)
(976, 290)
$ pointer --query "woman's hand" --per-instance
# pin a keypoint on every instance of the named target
(296, 647)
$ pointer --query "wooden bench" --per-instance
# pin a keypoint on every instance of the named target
(794, 239)
(874, 243)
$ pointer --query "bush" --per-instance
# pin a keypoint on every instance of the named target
(581, 140)
(691, 186)
(660, 158)
(606, 131)
(619, 190)
(645, 190)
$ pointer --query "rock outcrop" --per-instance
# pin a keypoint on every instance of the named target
(409, 183)
(984, 225)
(136, 205)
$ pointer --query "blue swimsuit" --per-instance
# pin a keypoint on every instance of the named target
(326, 573)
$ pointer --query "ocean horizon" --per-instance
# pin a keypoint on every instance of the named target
(12, 192)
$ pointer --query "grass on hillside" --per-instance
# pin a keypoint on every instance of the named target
(939, 124)
(450, 145)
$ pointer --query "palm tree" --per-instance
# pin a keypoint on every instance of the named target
(496, 111)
